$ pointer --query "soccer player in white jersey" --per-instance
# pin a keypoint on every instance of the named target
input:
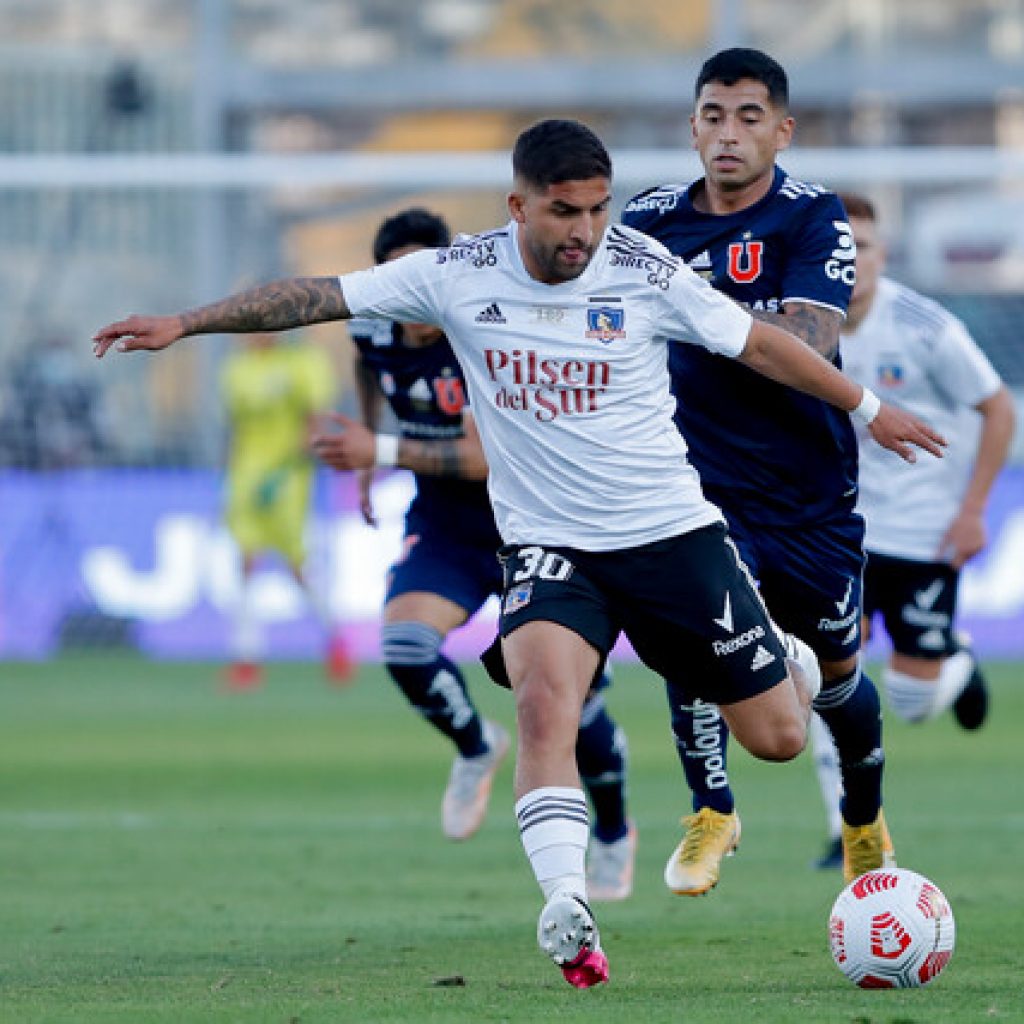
(448, 569)
(561, 324)
(926, 521)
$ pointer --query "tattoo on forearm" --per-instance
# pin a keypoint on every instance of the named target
(272, 307)
(432, 458)
(816, 326)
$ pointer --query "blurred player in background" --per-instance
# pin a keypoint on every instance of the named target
(781, 465)
(449, 566)
(924, 522)
(273, 391)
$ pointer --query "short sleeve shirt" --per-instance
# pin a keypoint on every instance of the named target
(770, 455)
(568, 382)
(918, 356)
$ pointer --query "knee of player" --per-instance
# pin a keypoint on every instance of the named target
(784, 742)
(791, 741)
(409, 646)
(545, 712)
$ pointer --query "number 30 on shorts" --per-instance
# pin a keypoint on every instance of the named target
(540, 564)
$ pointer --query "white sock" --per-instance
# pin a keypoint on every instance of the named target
(911, 699)
(826, 764)
(247, 631)
(554, 826)
(801, 661)
(954, 676)
(805, 661)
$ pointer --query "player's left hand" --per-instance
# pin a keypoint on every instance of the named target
(897, 430)
(964, 538)
(351, 445)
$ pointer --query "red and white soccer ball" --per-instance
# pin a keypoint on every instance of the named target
(891, 928)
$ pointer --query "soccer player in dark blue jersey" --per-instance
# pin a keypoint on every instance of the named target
(449, 564)
(781, 465)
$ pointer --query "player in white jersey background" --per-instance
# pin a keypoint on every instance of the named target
(924, 522)
(561, 325)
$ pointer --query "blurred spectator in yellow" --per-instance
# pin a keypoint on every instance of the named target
(273, 391)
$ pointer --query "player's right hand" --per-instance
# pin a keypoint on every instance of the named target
(149, 333)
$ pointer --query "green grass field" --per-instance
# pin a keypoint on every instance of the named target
(172, 853)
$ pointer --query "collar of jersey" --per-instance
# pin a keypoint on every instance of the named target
(778, 177)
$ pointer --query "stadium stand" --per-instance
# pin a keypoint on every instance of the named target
(331, 76)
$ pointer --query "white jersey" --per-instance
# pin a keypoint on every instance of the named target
(917, 356)
(568, 382)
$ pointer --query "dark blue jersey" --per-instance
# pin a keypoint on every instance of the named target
(425, 389)
(764, 451)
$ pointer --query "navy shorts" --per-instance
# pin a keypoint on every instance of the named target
(434, 560)
(810, 578)
(917, 603)
(685, 603)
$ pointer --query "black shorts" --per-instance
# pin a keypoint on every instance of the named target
(435, 560)
(917, 602)
(810, 578)
(687, 605)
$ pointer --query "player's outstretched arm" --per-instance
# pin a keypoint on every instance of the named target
(783, 357)
(353, 445)
(278, 306)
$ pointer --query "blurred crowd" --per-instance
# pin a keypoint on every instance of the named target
(50, 410)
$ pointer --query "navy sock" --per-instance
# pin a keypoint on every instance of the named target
(701, 738)
(601, 755)
(852, 710)
(432, 684)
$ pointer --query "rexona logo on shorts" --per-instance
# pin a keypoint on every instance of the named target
(724, 647)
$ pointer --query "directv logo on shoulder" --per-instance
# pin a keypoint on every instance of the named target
(491, 315)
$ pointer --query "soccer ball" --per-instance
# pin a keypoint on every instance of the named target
(891, 928)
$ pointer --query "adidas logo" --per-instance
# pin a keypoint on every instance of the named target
(762, 657)
(491, 315)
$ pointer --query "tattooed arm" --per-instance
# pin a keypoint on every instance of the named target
(354, 446)
(817, 326)
(461, 457)
(278, 306)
